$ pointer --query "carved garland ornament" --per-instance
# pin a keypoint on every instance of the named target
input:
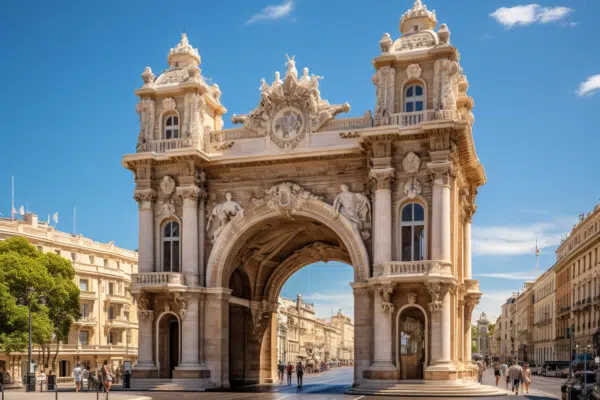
(411, 164)
(285, 198)
(386, 292)
(434, 289)
(167, 186)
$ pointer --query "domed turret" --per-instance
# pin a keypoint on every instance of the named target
(184, 55)
(418, 18)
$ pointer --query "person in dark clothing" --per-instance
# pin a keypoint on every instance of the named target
(299, 373)
(290, 369)
(281, 371)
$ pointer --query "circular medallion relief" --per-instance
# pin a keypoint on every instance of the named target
(288, 124)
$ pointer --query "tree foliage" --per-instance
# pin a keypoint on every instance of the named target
(50, 277)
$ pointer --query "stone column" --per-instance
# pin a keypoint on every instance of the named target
(468, 273)
(189, 242)
(190, 365)
(382, 220)
(468, 311)
(363, 329)
(201, 237)
(216, 330)
(145, 366)
(383, 366)
(145, 198)
(441, 231)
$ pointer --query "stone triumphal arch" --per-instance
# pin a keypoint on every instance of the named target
(226, 216)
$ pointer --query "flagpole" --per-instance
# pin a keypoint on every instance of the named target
(537, 258)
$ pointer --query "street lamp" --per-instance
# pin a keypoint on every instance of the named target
(27, 300)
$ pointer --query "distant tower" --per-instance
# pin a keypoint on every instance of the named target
(483, 325)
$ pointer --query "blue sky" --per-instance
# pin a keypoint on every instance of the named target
(68, 107)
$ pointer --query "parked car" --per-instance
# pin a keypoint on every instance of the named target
(555, 368)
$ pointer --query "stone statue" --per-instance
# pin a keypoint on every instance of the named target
(221, 215)
(277, 81)
(194, 109)
(357, 208)
(145, 109)
(305, 76)
(291, 65)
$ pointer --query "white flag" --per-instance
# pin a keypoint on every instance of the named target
(22, 210)
(55, 217)
(48, 223)
(14, 212)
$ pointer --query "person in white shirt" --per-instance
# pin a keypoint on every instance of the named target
(77, 374)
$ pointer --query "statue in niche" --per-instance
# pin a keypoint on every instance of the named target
(221, 215)
(145, 109)
(357, 208)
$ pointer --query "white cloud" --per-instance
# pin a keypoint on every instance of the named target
(590, 86)
(516, 276)
(328, 303)
(274, 12)
(517, 240)
(529, 14)
(491, 304)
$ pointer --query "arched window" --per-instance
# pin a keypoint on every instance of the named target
(172, 127)
(413, 232)
(170, 246)
(414, 98)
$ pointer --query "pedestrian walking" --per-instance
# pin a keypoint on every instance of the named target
(526, 377)
(85, 379)
(78, 376)
(281, 371)
(497, 372)
(106, 376)
(290, 369)
(299, 373)
(516, 375)
(480, 371)
(504, 372)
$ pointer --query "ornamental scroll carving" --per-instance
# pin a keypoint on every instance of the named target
(167, 187)
(411, 164)
(445, 88)
(146, 110)
(194, 116)
(356, 208)
(441, 171)
(285, 198)
(145, 303)
(221, 215)
(179, 302)
(434, 289)
(386, 292)
(169, 104)
(413, 71)
(290, 108)
(384, 86)
(144, 196)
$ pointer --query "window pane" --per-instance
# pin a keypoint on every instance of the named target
(168, 230)
(83, 285)
(407, 213)
(175, 229)
(175, 266)
(409, 107)
(406, 243)
(167, 256)
(409, 92)
(419, 90)
(419, 213)
(175, 133)
(418, 236)
(168, 134)
(419, 106)
(83, 337)
(175, 121)
(169, 121)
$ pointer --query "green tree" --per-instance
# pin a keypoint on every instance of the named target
(474, 336)
(51, 277)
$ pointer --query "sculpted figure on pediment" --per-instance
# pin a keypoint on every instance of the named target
(285, 198)
(356, 208)
(445, 87)
(290, 108)
(146, 110)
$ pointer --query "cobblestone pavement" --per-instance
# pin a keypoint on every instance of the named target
(329, 385)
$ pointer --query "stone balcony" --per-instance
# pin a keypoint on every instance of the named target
(118, 322)
(157, 282)
(86, 294)
(85, 321)
(415, 271)
(116, 299)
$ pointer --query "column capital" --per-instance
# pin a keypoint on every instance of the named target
(442, 171)
(190, 192)
(382, 177)
(144, 195)
(469, 211)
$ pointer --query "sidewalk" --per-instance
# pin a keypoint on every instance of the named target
(22, 395)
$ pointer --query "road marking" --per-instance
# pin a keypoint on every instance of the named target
(358, 398)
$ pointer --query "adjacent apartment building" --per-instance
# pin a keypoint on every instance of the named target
(304, 337)
(108, 327)
(564, 299)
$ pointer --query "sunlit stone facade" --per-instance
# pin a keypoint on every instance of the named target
(226, 216)
(108, 327)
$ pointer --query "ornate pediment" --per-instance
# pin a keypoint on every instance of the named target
(290, 108)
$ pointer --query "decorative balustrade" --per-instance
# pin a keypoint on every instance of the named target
(345, 124)
(156, 280)
(231, 135)
(86, 294)
(415, 269)
(117, 322)
(160, 146)
(86, 321)
(115, 298)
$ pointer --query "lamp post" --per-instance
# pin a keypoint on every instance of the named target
(27, 300)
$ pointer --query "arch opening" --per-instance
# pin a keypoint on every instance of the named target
(412, 339)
